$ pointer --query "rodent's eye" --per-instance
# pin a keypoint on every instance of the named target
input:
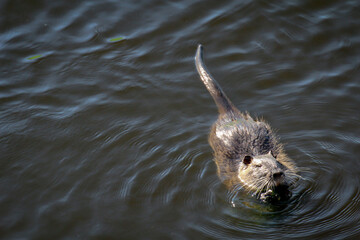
(247, 160)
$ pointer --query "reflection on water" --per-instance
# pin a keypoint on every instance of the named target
(104, 121)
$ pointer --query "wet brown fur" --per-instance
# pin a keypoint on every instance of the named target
(235, 135)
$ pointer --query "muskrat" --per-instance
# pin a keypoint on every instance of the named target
(246, 150)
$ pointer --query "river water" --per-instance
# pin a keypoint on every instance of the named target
(104, 121)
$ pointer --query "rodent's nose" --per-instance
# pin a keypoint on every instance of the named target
(278, 175)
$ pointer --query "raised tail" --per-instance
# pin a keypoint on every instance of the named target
(222, 101)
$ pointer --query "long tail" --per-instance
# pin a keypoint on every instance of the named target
(222, 101)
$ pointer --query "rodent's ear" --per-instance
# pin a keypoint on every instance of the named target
(247, 160)
(271, 153)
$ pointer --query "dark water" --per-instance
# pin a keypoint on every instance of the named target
(104, 121)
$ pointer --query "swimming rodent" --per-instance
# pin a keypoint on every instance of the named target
(246, 150)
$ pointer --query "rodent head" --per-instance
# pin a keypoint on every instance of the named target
(263, 173)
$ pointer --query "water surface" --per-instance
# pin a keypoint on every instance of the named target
(104, 121)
